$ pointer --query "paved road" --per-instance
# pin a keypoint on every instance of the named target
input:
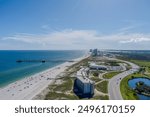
(114, 83)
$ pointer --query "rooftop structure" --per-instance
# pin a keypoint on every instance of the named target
(97, 67)
(114, 68)
(94, 66)
(83, 75)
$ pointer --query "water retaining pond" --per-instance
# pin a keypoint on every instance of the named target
(132, 84)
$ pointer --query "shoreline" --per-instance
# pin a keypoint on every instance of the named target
(28, 87)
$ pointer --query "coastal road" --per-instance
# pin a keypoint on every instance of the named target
(114, 83)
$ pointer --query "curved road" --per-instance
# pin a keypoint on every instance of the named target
(114, 83)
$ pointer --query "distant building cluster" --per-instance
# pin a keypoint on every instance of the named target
(96, 52)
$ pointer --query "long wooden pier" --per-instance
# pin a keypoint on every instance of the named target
(43, 61)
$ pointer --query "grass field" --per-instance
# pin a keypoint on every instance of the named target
(102, 86)
(110, 74)
(141, 63)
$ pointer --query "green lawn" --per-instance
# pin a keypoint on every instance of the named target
(148, 69)
(102, 86)
(141, 63)
(110, 74)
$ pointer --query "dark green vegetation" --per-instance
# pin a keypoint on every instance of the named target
(144, 66)
(133, 54)
(126, 91)
(95, 74)
(102, 86)
(113, 63)
(142, 88)
(110, 74)
(141, 58)
(141, 63)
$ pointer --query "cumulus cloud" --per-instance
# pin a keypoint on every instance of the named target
(79, 39)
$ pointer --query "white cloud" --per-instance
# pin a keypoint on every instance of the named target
(136, 40)
(80, 39)
(127, 28)
(58, 37)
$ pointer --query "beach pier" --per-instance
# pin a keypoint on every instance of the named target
(43, 61)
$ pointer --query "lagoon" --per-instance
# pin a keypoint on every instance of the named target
(132, 84)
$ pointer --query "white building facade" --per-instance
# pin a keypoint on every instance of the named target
(83, 83)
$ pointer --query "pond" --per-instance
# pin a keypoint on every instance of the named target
(132, 84)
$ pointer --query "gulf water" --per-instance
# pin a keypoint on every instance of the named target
(11, 71)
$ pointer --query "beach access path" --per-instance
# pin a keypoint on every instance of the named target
(27, 88)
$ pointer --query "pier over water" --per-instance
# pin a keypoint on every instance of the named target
(43, 61)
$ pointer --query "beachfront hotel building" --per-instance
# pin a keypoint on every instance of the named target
(84, 85)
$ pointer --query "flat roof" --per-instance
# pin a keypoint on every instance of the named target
(95, 65)
(82, 76)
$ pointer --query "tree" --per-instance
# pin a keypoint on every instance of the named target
(95, 74)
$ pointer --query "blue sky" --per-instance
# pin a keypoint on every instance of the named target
(74, 24)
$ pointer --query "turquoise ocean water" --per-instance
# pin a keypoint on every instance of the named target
(10, 70)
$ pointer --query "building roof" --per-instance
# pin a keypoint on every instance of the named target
(97, 66)
(83, 77)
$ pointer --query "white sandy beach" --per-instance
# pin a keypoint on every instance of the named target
(27, 88)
